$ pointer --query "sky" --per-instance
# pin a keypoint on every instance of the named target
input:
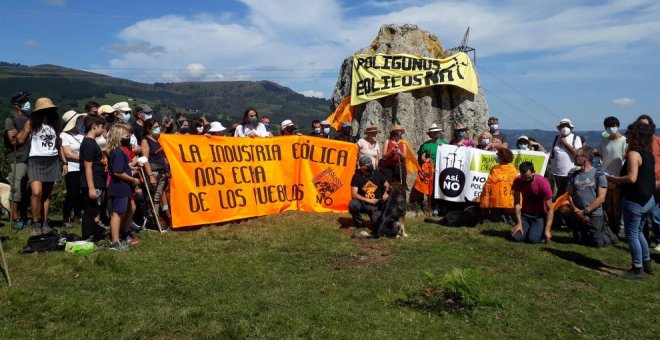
(538, 61)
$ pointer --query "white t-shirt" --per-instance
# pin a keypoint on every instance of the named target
(563, 160)
(367, 150)
(73, 141)
(244, 131)
(43, 142)
(612, 153)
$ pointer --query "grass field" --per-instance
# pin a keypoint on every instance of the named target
(298, 275)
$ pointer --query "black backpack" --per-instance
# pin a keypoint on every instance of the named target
(48, 242)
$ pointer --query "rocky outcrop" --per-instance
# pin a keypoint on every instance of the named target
(415, 111)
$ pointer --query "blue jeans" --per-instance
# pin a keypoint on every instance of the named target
(633, 217)
(655, 222)
(533, 227)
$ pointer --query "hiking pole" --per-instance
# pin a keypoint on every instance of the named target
(12, 189)
(153, 207)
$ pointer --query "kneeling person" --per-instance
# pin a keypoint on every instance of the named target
(534, 215)
(587, 190)
(368, 189)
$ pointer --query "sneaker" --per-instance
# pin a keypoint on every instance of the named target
(103, 225)
(135, 227)
(17, 224)
(435, 212)
(132, 240)
(646, 265)
(118, 246)
(634, 274)
(36, 229)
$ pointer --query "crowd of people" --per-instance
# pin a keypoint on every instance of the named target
(117, 176)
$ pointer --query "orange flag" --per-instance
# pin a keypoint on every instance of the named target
(343, 113)
(411, 159)
(424, 182)
(561, 200)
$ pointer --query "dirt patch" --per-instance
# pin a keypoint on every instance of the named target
(371, 253)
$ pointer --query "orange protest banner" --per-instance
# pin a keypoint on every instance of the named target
(424, 182)
(219, 179)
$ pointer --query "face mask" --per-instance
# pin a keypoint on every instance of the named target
(127, 117)
(400, 134)
(267, 126)
(522, 146)
(147, 117)
(317, 130)
(612, 130)
(497, 158)
(156, 131)
(184, 129)
(200, 129)
(494, 127)
(461, 134)
(485, 141)
(565, 131)
(26, 107)
(253, 120)
(326, 130)
(126, 142)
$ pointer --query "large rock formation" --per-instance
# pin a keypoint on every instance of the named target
(415, 111)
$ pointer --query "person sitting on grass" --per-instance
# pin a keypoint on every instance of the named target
(368, 189)
(534, 215)
(121, 184)
(496, 199)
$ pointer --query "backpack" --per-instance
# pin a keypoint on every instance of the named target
(48, 242)
(552, 153)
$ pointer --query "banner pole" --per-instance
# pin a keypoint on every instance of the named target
(153, 207)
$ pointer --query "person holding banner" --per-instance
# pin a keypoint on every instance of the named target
(346, 133)
(394, 156)
(251, 127)
(157, 169)
(532, 197)
(428, 153)
(369, 146)
(369, 189)
(484, 142)
(460, 137)
(288, 128)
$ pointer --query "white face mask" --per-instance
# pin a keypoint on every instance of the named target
(565, 131)
(523, 146)
(326, 130)
(485, 141)
(612, 130)
(147, 117)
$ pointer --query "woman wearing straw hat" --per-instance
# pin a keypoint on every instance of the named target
(44, 161)
(460, 137)
(394, 155)
(71, 139)
(369, 145)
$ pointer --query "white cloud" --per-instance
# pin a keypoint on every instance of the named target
(195, 71)
(312, 93)
(32, 44)
(623, 101)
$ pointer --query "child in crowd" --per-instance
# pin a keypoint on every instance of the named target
(92, 181)
(121, 184)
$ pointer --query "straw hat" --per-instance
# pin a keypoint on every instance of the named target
(371, 129)
(43, 103)
(105, 109)
(434, 128)
(460, 126)
(70, 117)
(397, 127)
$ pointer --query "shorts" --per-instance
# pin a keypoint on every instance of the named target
(118, 205)
(18, 187)
(44, 169)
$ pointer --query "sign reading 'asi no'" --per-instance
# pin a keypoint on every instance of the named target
(461, 172)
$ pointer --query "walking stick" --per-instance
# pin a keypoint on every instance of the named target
(153, 207)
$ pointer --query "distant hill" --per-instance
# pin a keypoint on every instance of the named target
(223, 100)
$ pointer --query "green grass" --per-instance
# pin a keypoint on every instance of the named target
(298, 275)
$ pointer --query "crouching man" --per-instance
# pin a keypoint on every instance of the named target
(587, 190)
(369, 189)
(534, 215)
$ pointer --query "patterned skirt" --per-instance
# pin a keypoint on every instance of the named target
(44, 169)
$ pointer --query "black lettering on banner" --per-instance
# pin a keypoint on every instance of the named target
(326, 155)
(209, 176)
(193, 150)
(230, 199)
(196, 202)
(245, 153)
(248, 174)
(386, 82)
(278, 193)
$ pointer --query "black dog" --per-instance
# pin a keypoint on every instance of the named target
(468, 217)
(391, 221)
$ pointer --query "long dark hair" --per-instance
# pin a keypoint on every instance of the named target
(246, 118)
(48, 117)
(639, 137)
(149, 126)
